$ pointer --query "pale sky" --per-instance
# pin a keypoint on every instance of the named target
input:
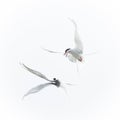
(25, 25)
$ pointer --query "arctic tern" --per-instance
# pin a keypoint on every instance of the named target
(36, 89)
(73, 54)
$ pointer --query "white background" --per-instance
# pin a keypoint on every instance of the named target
(25, 25)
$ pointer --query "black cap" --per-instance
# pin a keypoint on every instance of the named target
(67, 50)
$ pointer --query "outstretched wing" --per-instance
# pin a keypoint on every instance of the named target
(78, 42)
(35, 72)
(36, 89)
(50, 50)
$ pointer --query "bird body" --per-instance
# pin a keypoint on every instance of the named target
(56, 82)
(75, 54)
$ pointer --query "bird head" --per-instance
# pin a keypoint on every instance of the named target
(67, 51)
(54, 79)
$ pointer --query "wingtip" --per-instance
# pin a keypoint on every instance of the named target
(22, 64)
(24, 96)
(73, 21)
(70, 19)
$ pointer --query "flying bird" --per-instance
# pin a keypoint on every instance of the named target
(36, 89)
(73, 54)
